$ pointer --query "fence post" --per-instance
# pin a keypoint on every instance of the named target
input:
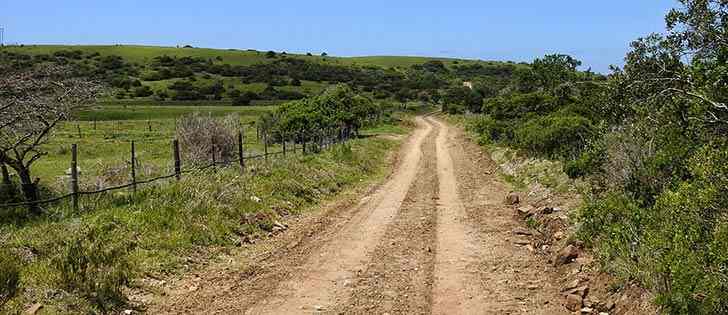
(241, 153)
(265, 144)
(94, 124)
(214, 161)
(149, 124)
(74, 176)
(78, 127)
(133, 167)
(177, 161)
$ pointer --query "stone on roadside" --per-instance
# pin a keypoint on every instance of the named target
(573, 302)
(525, 211)
(522, 231)
(512, 199)
(566, 255)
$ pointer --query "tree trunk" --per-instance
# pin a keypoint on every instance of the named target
(6, 175)
(30, 190)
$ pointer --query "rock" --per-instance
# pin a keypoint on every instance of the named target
(566, 255)
(521, 242)
(609, 306)
(525, 211)
(127, 312)
(559, 235)
(587, 310)
(570, 286)
(580, 291)
(512, 199)
(522, 231)
(33, 309)
(280, 225)
(547, 210)
(255, 199)
(318, 308)
(573, 302)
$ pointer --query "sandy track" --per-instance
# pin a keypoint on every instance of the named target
(322, 281)
(457, 287)
(434, 238)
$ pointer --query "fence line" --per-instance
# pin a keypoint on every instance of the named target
(344, 136)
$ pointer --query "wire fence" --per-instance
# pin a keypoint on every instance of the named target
(328, 139)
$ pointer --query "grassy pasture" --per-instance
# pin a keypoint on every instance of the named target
(104, 136)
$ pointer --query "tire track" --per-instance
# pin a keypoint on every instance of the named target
(321, 282)
(398, 279)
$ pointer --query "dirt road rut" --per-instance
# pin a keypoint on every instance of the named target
(432, 239)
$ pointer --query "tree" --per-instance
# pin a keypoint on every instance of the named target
(555, 69)
(32, 103)
(270, 54)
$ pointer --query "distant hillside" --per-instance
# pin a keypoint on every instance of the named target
(144, 54)
(242, 77)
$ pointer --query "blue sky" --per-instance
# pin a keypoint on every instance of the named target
(597, 32)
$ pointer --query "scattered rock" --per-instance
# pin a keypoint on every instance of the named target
(255, 199)
(566, 255)
(522, 231)
(127, 312)
(33, 309)
(580, 291)
(587, 310)
(318, 308)
(573, 302)
(521, 242)
(571, 285)
(547, 210)
(609, 306)
(280, 225)
(512, 199)
(525, 211)
(559, 235)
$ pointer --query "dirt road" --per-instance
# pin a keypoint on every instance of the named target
(434, 238)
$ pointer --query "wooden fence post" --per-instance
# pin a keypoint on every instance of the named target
(74, 176)
(78, 127)
(177, 161)
(133, 167)
(94, 124)
(241, 153)
(149, 124)
(265, 144)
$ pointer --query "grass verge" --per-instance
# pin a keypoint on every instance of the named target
(81, 262)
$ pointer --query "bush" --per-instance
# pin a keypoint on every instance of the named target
(9, 276)
(197, 134)
(143, 91)
(491, 130)
(95, 265)
(556, 135)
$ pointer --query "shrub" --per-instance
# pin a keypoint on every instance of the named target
(202, 136)
(95, 265)
(491, 130)
(9, 276)
(555, 135)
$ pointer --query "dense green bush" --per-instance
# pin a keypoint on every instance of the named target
(554, 135)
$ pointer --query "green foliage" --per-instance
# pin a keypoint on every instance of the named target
(554, 135)
(9, 276)
(95, 265)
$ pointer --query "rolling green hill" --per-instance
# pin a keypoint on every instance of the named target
(144, 54)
